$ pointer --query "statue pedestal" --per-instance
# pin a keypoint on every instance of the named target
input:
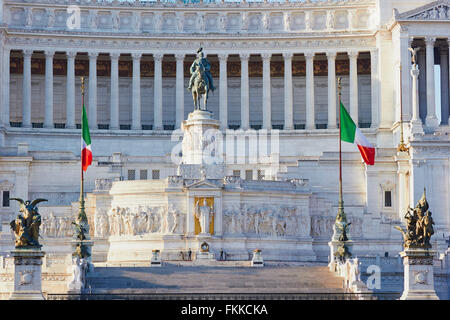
(27, 274)
(202, 139)
(334, 246)
(418, 274)
(87, 246)
(155, 260)
(257, 260)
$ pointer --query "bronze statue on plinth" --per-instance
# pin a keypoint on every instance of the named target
(27, 223)
(419, 225)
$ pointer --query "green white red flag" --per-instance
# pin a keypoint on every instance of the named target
(351, 133)
(86, 150)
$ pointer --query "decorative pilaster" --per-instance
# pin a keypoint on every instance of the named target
(26, 112)
(223, 91)
(267, 96)
(245, 109)
(431, 119)
(158, 124)
(179, 113)
(92, 103)
(310, 115)
(288, 93)
(136, 100)
(114, 118)
(70, 92)
(331, 90)
(353, 57)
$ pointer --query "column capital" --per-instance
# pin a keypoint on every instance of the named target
(49, 53)
(430, 40)
(28, 53)
(331, 54)
(288, 55)
(266, 56)
(136, 55)
(244, 56)
(71, 54)
(373, 51)
(223, 56)
(353, 54)
(158, 57)
(93, 55)
(309, 55)
(180, 56)
(114, 55)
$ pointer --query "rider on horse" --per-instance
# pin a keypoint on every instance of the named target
(201, 60)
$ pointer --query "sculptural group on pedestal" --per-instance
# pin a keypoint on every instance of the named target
(27, 223)
(419, 225)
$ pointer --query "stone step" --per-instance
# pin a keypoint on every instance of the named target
(220, 279)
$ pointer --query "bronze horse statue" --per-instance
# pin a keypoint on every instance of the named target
(199, 88)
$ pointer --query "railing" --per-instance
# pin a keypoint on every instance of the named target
(226, 296)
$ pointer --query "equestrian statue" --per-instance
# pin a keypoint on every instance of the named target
(201, 81)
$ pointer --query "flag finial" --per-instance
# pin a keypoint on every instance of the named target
(82, 85)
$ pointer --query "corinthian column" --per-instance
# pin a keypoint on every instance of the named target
(431, 119)
(444, 85)
(374, 87)
(48, 122)
(331, 90)
(158, 123)
(136, 100)
(93, 90)
(70, 92)
(223, 91)
(288, 102)
(353, 56)
(310, 116)
(26, 112)
(245, 112)
(114, 120)
(6, 81)
(415, 121)
(267, 96)
(179, 113)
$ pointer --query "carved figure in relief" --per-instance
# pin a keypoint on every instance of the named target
(442, 12)
(434, 14)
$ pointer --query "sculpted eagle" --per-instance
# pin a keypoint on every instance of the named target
(27, 223)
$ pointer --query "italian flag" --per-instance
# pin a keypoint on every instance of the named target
(351, 133)
(86, 151)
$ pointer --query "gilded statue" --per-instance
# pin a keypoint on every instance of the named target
(419, 225)
(27, 223)
(201, 81)
(203, 212)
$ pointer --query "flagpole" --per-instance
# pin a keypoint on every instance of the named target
(341, 214)
(82, 212)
